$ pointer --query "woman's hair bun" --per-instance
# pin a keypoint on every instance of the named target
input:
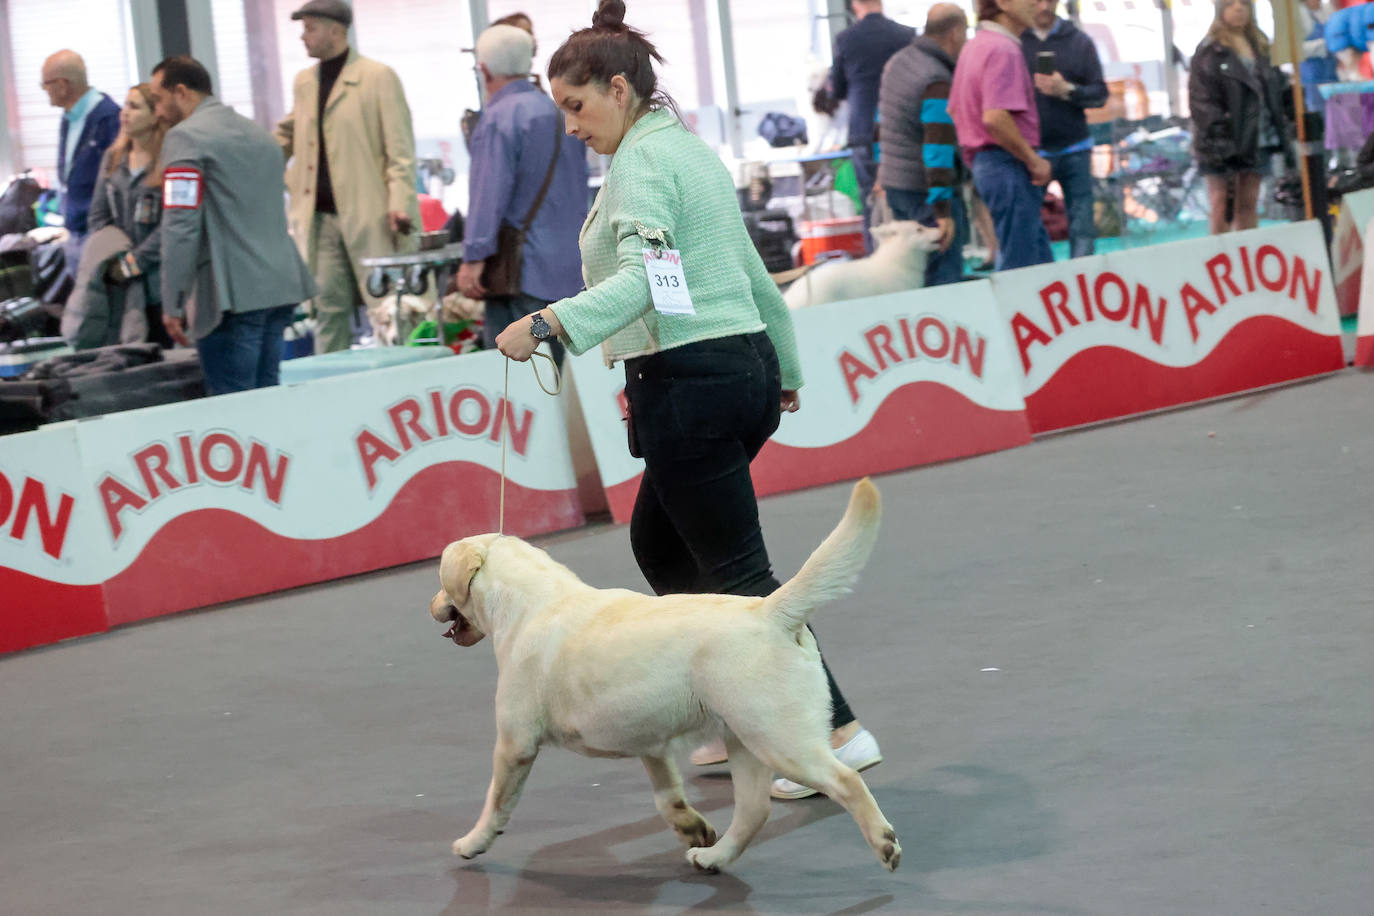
(610, 15)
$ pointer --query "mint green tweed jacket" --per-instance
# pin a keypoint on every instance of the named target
(666, 187)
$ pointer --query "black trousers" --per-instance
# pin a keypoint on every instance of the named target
(701, 412)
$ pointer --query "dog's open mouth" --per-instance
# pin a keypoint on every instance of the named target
(461, 631)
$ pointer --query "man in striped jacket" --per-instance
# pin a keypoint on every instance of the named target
(919, 169)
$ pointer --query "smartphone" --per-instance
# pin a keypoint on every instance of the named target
(1044, 62)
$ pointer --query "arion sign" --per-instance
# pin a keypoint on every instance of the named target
(1140, 330)
(891, 382)
(154, 511)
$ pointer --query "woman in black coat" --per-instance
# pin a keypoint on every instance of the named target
(1238, 115)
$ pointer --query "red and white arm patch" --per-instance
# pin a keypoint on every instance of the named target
(181, 188)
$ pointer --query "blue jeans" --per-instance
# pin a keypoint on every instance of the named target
(501, 312)
(244, 352)
(941, 267)
(1074, 172)
(1003, 182)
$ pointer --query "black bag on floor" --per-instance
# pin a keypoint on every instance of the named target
(100, 381)
(16, 275)
(773, 236)
(16, 205)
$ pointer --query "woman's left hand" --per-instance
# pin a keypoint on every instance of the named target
(791, 401)
(516, 341)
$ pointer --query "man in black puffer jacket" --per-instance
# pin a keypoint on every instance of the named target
(1062, 96)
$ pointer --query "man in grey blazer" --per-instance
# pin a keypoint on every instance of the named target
(231, 276)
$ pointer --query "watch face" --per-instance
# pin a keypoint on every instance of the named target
(539, 327)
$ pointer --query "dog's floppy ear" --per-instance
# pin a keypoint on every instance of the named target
(458, 565)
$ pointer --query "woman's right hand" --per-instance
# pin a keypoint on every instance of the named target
(791, 401)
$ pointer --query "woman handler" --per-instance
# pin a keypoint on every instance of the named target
(676, 291)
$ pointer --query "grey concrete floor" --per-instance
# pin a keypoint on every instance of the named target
(1180, 719)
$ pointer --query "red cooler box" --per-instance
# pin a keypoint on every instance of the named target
(820, 236)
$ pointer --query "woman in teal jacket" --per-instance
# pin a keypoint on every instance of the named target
(707, 371)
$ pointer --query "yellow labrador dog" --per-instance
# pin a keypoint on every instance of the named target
(614, 673)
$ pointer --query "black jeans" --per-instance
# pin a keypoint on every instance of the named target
(701, 412)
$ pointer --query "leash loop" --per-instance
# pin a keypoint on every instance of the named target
(557, 389)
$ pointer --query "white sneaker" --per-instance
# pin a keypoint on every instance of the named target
(710, 754)
(858, 753)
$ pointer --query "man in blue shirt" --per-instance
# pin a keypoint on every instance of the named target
(861, 51)
(515, 141)
(90, 124)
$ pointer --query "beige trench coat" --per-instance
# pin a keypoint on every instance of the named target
(371, 148)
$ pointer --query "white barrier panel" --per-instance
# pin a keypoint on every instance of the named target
(193, 504)
(1364, 330)
(47, 548)
(1139, 330)
(892, 382)
(1347, 247)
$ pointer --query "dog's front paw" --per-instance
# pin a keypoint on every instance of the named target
(710, 860)
(889, 851)
(472, 845)
(695, 831)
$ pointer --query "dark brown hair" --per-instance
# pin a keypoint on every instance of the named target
(610, 48)
(184, 70)
(987, 9)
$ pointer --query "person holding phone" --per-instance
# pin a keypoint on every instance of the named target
(351, 174)
(1068, 81)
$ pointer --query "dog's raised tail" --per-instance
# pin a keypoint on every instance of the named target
(833, 567)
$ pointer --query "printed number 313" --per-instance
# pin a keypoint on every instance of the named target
(669, 281)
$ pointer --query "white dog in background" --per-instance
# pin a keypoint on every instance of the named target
(614, 673)
(899, 263)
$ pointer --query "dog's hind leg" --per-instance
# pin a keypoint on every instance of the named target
(751, 777)
(686, 821)
(821, 770)
(510, 765)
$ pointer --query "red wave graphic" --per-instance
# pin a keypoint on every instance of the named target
(1348, 292)
(621, 498)
(1364, 350)
(1107, 382)
(214, 555)
(920, 423)
(37, 611)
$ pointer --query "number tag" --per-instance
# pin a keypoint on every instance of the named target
(181, 188)
(667, 282)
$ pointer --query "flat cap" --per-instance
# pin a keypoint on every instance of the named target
(337, 10)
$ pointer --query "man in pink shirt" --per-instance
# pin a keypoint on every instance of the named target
(992, 103)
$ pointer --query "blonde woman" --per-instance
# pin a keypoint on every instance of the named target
(128, 194)
(1238, 115)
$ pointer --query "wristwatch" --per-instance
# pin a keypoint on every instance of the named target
(539, 327)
